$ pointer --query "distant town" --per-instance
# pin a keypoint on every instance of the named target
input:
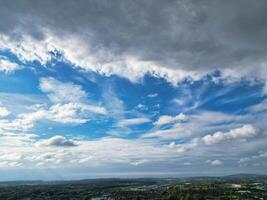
(235, 187)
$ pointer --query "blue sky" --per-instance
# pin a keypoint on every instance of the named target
(121, 103)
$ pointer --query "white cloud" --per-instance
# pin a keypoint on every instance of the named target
(10, 139)
(109, 151)
(23, 121)
(68, 98)
(196, 124)
(179, 102)
(261, 156)
(4, 112)
(69, 106)
(176, 132)
(59, 92)
(244, 160)
(76, 113)
(141, 107)
(57, 141)
(47, 153)
(6, 164)
(260, 107)
(66, 113)
(184, 147)
(133, 121)
(244, 132)
(8, 66)
(216, 162)
(166, 119)
(208, 117)
(187, 163)
(152, 95)
(69, 113)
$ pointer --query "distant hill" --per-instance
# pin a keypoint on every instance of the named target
(246, 175)
(129, 180)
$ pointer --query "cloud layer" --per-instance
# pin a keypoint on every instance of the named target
(63, 103)
(173, 39)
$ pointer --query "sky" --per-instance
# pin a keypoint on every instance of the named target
(99, 89)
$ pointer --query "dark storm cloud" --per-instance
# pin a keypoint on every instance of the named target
(200, 34)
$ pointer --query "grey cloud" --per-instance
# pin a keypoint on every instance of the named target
(58, 141)
(190, 35)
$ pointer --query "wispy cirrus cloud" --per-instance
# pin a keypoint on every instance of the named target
(177, 131)
(133, 121)
(166, 119)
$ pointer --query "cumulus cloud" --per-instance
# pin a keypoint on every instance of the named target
(7, 66)
(244, 132)
(58, 141)
(214, 162)
(208, 39)
(166, 119)
(133, 121)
